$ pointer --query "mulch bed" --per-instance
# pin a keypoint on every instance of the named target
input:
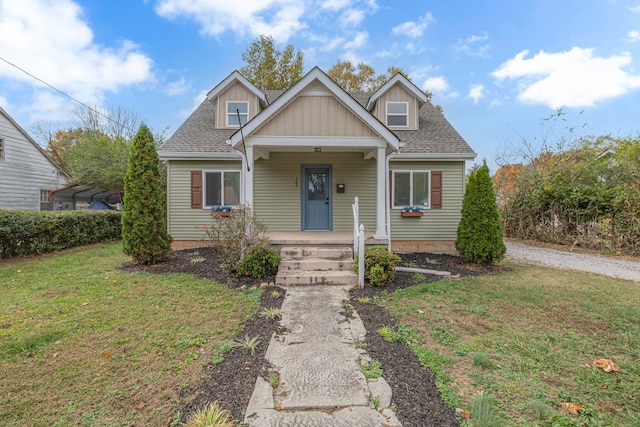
(231, 382)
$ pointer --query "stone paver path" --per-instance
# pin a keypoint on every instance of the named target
(321, 383)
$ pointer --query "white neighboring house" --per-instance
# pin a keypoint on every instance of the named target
(27, 174)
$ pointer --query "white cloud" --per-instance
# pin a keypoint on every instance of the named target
(50, 40)
(279, 18)
(574, 78)
(436, 84)
(335, 4)
(178, 87)
(634, 9)
(476, 92)
(352, 17)
(413, 29)
(633, 36)
(474, 46)
(358, 42)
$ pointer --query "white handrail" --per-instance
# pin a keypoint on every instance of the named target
(356, 213)
(361, 258)
(358, 242)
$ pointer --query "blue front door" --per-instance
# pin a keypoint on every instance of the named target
(316, 197)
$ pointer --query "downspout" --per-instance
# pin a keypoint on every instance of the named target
(388, 197)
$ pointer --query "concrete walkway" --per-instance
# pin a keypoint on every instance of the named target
(320, 380)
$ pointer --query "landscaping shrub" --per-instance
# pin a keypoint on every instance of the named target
(231, 236)
(144, 222)
(479, 231)
(379, 265)
(37, 232)
(260, 260)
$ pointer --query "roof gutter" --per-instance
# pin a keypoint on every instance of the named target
(436, 156)
(181, 155)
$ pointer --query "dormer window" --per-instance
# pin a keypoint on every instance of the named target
(232, 113)
(397, 114)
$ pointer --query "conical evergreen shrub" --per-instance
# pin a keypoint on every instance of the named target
(480, 232)
(144, 225)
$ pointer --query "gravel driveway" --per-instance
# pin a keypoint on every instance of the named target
(612, 267)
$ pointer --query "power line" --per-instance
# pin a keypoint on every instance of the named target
(67, 95)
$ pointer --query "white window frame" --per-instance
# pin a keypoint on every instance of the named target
(235, 114)
(405, 115)
(2, 149)
(410, 172)
(221, 172)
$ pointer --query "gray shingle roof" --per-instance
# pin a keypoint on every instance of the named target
(434, 136)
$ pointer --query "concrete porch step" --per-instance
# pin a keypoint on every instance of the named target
(303, 278)
(316, 264)
(313, 265)
(323, 252)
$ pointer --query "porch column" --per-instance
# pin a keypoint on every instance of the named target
(380, 194)
(247, 173)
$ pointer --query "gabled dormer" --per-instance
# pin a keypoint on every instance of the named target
(396, 103)
(236, 94)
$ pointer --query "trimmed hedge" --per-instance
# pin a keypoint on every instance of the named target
(37, 232)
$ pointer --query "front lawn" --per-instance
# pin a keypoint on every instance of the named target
(511, 347)
(82, 343)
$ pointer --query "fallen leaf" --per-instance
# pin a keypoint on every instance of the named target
(19, 271)
(85, 303)
(140, 405)
(467, 414)
(570, 407)
(115, 282)
(602, 385)
(106, 354)
(606, 365)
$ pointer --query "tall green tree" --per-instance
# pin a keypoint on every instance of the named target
(97, 159)
(479, 231)
(269, 68)
(144, 223)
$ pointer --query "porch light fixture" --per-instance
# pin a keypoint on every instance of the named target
(317, 149)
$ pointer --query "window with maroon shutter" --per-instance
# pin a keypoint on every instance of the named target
(417, 188)
(436, 190)
(196, 189)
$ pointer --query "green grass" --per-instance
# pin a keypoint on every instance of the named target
(510, 347)
(82, 343)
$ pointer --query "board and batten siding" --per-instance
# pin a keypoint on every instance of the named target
(436, 224)
(185, 223)
(237, 92)
(24, 170)
(397, 94)
(316, 116)
(278, 192)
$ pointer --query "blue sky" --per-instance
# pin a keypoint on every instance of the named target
(498, 68)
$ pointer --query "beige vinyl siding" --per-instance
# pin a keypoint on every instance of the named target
(278, 192)
(237, 92)
(184, 222)
(436, 224)
(24, 170)
(398, 94)
(315, 116)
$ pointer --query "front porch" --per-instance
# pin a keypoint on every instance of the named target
(320, 238)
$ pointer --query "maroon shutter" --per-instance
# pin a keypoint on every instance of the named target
(196, 189)
(436, 190)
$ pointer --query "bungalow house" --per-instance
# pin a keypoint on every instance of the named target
(299, 157)
(27, 174)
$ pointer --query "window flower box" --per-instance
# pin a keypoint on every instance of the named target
(221, 211)
(412, 211)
